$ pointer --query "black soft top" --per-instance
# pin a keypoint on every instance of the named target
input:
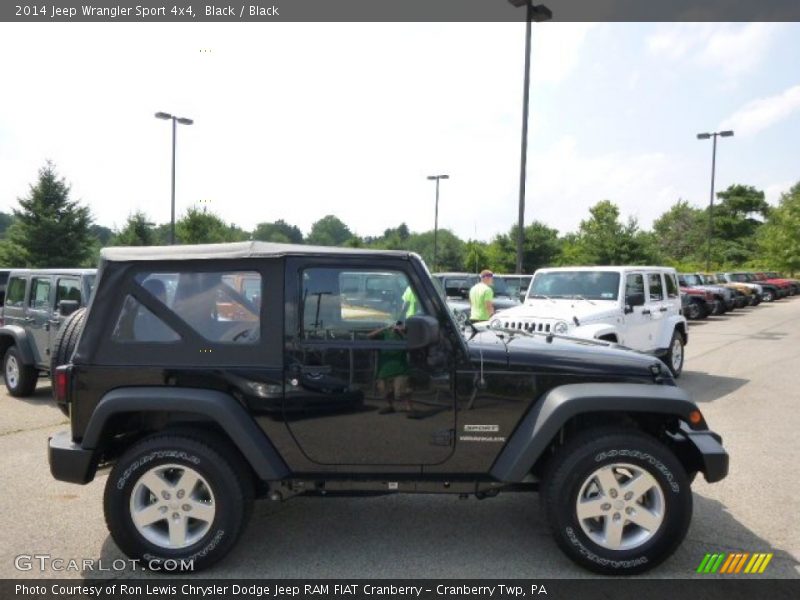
(233, 250)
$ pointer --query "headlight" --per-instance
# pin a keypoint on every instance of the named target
(561, 327)
(495, 324)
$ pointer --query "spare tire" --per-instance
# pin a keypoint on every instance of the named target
(66, 340)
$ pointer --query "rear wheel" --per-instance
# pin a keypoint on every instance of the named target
(768, 296)
(618, 501)
(178, 498)
(20, 378)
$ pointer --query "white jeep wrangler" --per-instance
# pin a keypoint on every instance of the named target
(637, 307)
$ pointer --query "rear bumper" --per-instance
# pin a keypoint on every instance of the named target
(69, 461)
(703, 451)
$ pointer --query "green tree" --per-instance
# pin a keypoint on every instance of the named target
(736, 221)
(603, 239)
(203, 227)
(449, 249)
(279, 231)
(329, 231)
(138, 231)
(49, 229)
(779, 238)
(6, 220)
(680, 232)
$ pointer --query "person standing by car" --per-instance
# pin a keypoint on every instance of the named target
(481, 296)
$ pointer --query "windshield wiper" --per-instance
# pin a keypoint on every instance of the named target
(579, 297)
(541, 296)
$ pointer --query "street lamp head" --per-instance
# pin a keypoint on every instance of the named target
(185, 121)
(539, 13)
(163, 115)
(703, 136)
(726, 133)
(432, 177)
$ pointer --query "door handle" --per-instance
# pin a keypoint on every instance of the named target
(646, 311)
(29, 319)
(663, 309)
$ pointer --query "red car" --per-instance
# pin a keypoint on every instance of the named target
(784, 286)
(696, 303)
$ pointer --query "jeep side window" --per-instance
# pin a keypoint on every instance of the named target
(655, 286)
(672, 286)
(332, 307)
(40, 294)
(634, 289)
(68, 289)
(15, 294)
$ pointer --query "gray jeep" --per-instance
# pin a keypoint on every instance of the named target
(36, 303)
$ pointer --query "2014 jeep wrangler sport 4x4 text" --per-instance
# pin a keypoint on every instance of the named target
(210, 375)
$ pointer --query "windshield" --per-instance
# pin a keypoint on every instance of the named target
(592, 285)
(513, 286)
(692, 279)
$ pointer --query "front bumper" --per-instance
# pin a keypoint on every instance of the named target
(703, 451)
(69, 461)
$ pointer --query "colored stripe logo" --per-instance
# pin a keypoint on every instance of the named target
(735, 563)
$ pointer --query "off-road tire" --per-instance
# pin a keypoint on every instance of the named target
(66, 341)
(228, 478)
(20, 379)
(719, 308)
(768, 296)
(672, 354)
(695, 311)
(584, 455)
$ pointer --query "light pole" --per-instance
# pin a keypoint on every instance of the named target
(436, 215)
(537, 13)
(705, 136)
(175, 121)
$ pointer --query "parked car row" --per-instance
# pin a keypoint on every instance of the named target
(707, 294)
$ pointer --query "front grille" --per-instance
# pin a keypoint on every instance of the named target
(531, 326)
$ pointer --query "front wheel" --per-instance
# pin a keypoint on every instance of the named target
(178, 501)
(674, 357)
(618, 501)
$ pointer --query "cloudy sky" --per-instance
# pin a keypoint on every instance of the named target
(295, 121)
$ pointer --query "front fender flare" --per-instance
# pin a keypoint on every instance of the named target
(543, 422)
(21, 341)
(219, 407)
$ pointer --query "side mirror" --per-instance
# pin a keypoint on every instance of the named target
(632, 300)
(421, 331)
(67, 307)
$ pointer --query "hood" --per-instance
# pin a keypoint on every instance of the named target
(572, 356)
(562, 309)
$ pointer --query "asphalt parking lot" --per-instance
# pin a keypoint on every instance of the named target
(741, 368)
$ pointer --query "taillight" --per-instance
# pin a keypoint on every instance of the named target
(61, 383)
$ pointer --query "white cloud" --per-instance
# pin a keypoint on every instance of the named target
(733, 49)
(757, 115)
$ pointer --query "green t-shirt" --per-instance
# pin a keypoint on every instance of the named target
(410, 299)
(479, 295)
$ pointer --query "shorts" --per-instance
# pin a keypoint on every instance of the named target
(394, 386)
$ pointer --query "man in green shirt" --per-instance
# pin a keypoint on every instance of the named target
(409, 308)
(481, 296)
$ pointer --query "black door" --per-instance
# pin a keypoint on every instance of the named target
(355, 394)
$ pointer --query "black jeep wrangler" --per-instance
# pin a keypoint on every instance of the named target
(210, 375)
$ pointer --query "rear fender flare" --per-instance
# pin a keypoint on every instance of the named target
(219, 407)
